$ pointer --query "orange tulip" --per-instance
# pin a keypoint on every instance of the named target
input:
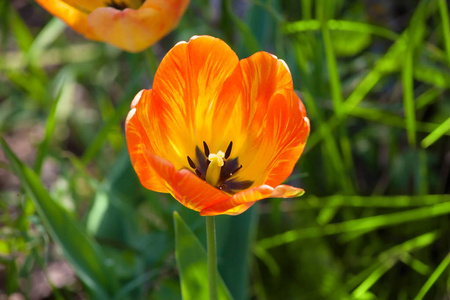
(215, 132)
(132, 25)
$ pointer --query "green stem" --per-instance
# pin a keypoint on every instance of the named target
(212, 260)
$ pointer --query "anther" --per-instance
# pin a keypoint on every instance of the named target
(235, 170)
(191, 163)
(120, 5)
(228, 152)
(205, 146)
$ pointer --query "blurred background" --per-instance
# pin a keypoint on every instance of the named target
(374, 222)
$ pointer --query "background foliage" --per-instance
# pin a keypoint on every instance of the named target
(374, 223)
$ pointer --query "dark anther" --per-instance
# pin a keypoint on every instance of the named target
(235, 170)
(206, 149)
(117, 4)
(199, 174)
(191, 163)
(228, 152)
(232, 186)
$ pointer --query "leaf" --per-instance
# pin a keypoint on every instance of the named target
(79, 249)
(192, 264)
(235, 234)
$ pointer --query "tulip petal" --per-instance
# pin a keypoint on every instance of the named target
(268, 118)
(189, 81)
(195, 193)
(241, 201)
(75, 18)
(86, 6)
(134, 30)
(290, 129)
(138, 143)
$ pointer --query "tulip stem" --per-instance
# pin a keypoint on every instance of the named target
(212, 259)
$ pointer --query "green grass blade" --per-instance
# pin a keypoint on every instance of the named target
(387, 260)
(121, 111)
(311, 202)
(443, 10)
(427, 97)
(369, 223)
(341, 25)
(192, 264)
(408, 96)
(441, 130)
(81, 251)
(20, 30)
(46, 36)
(359, 292)
(432, 279)
(335, 82)
(67, 81)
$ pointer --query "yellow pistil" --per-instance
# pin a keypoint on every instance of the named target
(215, 165)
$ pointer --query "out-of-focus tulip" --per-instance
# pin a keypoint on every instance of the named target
(132, 25)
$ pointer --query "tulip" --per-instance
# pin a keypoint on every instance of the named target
(216, 132)
(132, 25)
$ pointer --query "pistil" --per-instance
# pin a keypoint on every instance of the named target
(215, 166)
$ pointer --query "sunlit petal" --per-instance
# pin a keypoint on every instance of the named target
(241, 201)
(289, 127)
(269, 115)
(189, 81)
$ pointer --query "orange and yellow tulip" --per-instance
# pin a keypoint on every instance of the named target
(132, 25)
(216, 132)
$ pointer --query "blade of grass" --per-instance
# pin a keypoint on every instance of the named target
(415, 264)
(52, 30)
(20, 30)
(66, 81)
(80, 250)
(439, 77)
(434, 277)
(250, 41)
(441, 130)
(372, 223)
(121, 110)
(336, 95)
(390, 62)
(408, 94)
(341, 25)
(390, 119)
(443, 10)
(360, 291)
(427, 97)
(387, 259)
(312, 202)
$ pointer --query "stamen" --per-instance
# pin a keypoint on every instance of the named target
(228, 152)
(214, 168)
(218, 168)
(235, 170)
(191, 163)
(205, 146)
(120, 5)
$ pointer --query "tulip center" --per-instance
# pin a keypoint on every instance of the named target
(215, 165)
(218, 169)
(123, 4)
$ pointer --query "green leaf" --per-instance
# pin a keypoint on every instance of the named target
(79, 249)
(192, 264)
(235, 234)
